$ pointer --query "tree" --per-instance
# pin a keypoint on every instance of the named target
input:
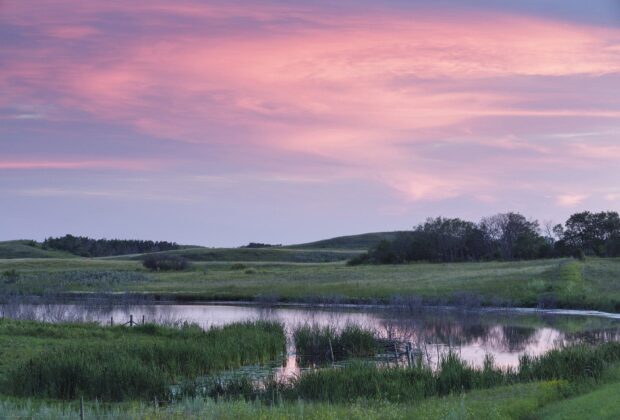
(512, 236)
(592, 233)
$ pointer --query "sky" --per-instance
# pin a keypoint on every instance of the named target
(223, 122)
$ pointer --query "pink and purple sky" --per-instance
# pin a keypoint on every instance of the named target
(224, 122)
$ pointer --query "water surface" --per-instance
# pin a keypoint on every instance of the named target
(505, 335)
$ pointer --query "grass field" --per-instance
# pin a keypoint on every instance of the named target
(593, 284)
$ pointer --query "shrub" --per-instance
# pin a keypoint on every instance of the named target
(10, 276)
(165, 263)
(579, 255)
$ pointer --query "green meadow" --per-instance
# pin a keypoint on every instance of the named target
(566, 283)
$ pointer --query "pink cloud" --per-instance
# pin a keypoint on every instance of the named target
(361, 89)
(570, 200)
(131, 165)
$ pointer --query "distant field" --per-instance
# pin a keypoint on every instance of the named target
(566, 283)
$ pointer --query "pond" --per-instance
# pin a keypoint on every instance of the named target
(503, 334)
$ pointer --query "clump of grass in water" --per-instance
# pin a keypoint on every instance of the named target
(144, 368)
(317, 344)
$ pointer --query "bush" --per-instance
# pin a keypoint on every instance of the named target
(10, 276)
(579, 255)
(165, 263)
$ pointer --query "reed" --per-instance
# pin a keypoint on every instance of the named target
(319, 344)
(140, 362)
(366, 380)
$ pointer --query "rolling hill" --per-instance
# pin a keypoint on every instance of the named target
(363, 241)
(28, 249)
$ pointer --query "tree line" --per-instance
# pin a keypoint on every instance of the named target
(88, 247)
(502, 237)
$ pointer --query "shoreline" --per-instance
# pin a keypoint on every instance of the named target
(147, 299)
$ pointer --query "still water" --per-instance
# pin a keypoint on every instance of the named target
(504, 334)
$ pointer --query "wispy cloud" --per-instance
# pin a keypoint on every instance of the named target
(131, 165)
(571, 200)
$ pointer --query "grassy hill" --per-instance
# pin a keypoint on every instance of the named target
(287, 255)
(28, 249)
(363, 241)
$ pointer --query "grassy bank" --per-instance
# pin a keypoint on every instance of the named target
(510, 402)
(554, 398)
(593, 284)
(117, 363)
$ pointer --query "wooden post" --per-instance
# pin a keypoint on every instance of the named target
(142, 319)
(156, 403)
(81, 408)
(408, 347)
(131, 320)
(111, 321)
(396, 353)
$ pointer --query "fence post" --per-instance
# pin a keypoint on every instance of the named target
(142, 319)
(82, 408)
(111, 321)
(396, 355)
(130, 320)
(408, 350)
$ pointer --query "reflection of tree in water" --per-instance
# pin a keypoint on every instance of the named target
(516, 339)
(592, 337)
(454, 332)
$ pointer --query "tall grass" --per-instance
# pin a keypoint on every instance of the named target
(99, 280)
(318, 344)
(143, 363)
(363, 380)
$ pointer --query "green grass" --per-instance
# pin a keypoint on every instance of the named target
(28, 249)
(511, 402)
(600, 403)
(116, 363)
(532, 400)
(593, 284)
(604, 403)
(359, 242)
(275, 254)
(368, 381)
